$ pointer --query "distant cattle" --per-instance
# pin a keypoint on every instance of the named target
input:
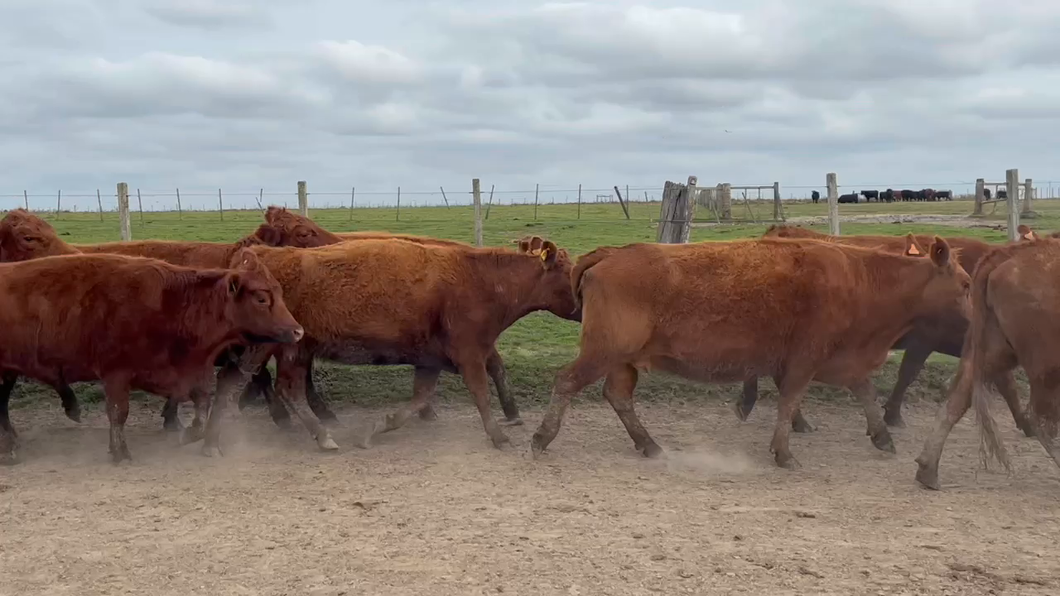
(888, 195)
(454, 303)
(132, 323)
(849, 198)
(796, 310)
(908, 195)
(1002, 193)
(815, 196)
(944, 195)
(943, 333)
(926, 194)
(1015, 322)
(871, 194)
(25, 236)
(986, 193)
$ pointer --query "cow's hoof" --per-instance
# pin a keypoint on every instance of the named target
(9, 457)
(893, 419)
(1027, 428)
(428, 414)
(737, 407)
(283, 423)
(500, 439)
(74, 414)
(652, 450)
(927, 475)
(801, 425)
(787, 462)
(882, 440)
(120, 455)
(211, 451)
(537, 446)
(172, 425)
(191, 435)
(517, 421)
(326, 443)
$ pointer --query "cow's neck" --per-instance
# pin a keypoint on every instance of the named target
(898, 285)
(203, 299)
(510, 283)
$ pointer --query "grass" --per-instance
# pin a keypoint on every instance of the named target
(538, 345)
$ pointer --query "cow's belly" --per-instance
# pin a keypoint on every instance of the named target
(848, 368)
(359, 354)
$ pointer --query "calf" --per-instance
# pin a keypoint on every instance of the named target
(849, 198)
(286, 228)
(797, 310)
(455, 302)
(1014, 322)
(815, 196)
(152, 326)
(25, 236)
(871, 194)
(943, 333)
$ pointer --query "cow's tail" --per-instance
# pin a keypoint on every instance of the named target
(990, 446)
(586, 262)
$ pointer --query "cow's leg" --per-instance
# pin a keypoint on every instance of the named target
(201, 400)
(259, 384)
(746, 404)
(277, 411)
(792, 386)
(912, 363)
(1006, 386)
(8, 435)
(423, 386)
(231, 380)
(497, 372)
(71, 405)
(1045, 418)
(291, 367)
(570, 380)
(117, 392)
(477, 382)
(618, 390)
(316, 401)
(958, 402)
(877, 428)
(170, 416)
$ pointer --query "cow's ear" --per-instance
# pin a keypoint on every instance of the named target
(549, 254)
(234, 282)
(940, 252)
(1027, 234)
(524, 246)
(912, 249)
(268, 235)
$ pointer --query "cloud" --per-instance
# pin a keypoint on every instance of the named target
(262, 93)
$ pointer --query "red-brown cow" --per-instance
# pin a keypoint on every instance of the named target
(25, 236)
(454, 302)
(132, 323)
(286, 228)
(796, 310)
(943, 333)
(1015, 322)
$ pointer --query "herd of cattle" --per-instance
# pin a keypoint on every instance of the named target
(793, 305)
(890, 195)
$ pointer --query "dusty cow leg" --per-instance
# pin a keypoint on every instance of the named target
(618, 390)
(170, 417)
(1006, 386)
(291, 390)
(316, 401)
(497, 372)
(958, 402)
(1044, 430)
(70, 403)
(423, 386)
(8, 435)
(117, 392)
(195, 431)
(749, 397)
(259, 384)
(912, 363)
(477, 382)
(230, 381)
(792, 387)
(570, 380)
(876, 427)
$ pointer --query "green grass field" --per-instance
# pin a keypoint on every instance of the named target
(537, 346)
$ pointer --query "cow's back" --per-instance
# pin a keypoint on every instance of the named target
(187, 254)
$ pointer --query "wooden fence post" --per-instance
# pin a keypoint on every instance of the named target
(579, 201)
(123, 212)
(489, 203)
(444, 198)
(537, 187)
(725, 201)
(476, 196)
(621, 202)
(778, 209)
(1012, 185)
(833, 204)
(980, 196)
(99, 203)
(25, 198)
(140, 204)
(1028, 193)
(675, 214)
(180, 211)
(220, 205)
(398, 216)
(303, 199)
(353, 193)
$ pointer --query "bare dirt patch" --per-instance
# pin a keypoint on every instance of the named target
(434, 509)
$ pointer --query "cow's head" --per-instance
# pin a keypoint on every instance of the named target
(788, 231)
(1027, 234)
(553, 289)
(285, 228)
(948, 290)
(24, 236)
(255, 302)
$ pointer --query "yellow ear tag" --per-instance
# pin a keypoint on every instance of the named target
(544, 255)
(913, 250)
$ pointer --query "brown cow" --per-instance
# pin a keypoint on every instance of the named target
(132, 323)
(454, 304)
(1014, 322)
(796, 310)
(24, 236)
(287, 228)
(943, 333)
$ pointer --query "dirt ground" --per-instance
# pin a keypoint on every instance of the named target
(434, 509)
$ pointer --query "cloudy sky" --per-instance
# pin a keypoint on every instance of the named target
(244, 94)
